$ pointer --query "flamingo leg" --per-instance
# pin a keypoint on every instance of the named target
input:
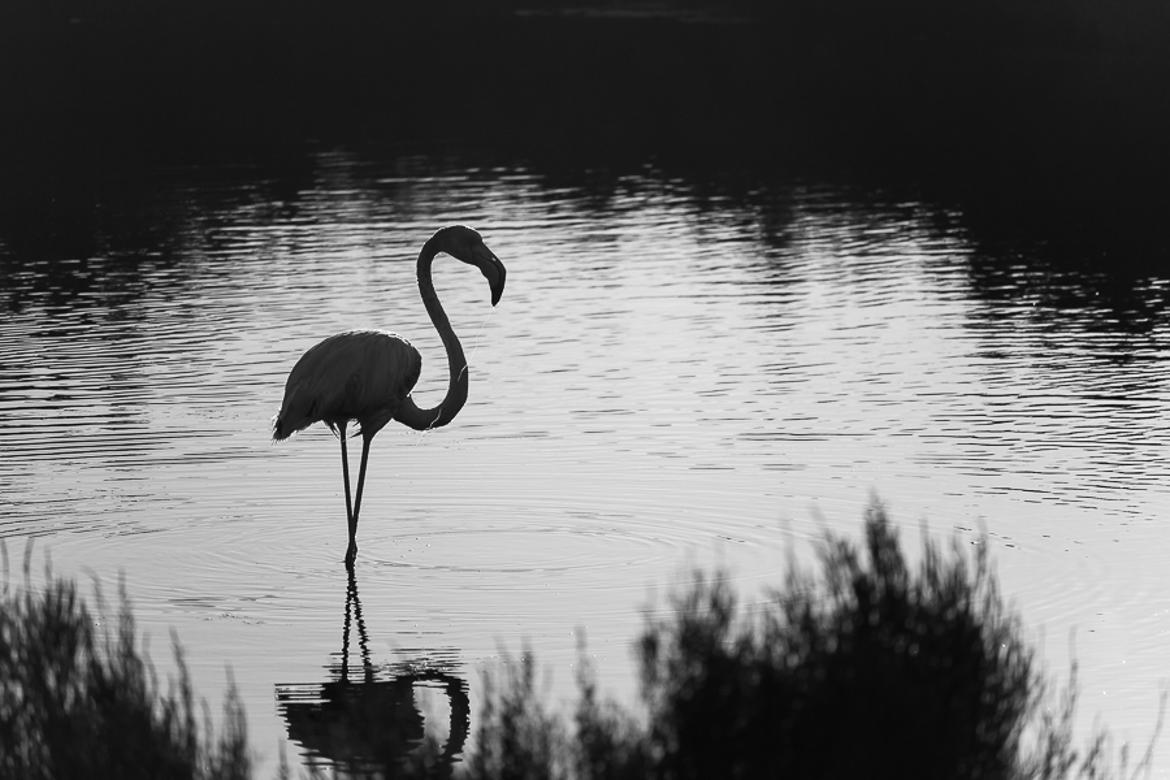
(345, 474)
(351, 552)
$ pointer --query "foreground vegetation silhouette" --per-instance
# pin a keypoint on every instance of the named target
(78, 701)
(868, 668)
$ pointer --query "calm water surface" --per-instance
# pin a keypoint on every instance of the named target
(675, 375)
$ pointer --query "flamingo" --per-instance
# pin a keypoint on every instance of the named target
(367, 375)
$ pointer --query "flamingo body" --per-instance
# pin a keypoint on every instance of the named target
(361, 375)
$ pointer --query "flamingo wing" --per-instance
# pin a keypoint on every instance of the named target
(357, 375)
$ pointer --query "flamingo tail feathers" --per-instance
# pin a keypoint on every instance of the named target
(297, 413)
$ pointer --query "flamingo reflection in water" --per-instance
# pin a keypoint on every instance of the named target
(374, 726)
(367, 375)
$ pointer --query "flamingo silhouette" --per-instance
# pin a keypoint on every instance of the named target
(367, 375)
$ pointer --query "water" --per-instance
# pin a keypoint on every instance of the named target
(680, 371)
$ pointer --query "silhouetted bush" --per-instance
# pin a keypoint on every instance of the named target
(871, 670)
(81, 702)
(925, 675)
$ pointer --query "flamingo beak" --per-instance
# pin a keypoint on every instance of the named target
(493, 270)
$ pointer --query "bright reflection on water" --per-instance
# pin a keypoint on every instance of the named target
(673, 375)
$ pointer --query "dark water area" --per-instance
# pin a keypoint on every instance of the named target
(1057, 108)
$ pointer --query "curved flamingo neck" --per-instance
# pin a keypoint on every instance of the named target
(408, 412)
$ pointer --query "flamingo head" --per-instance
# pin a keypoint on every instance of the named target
(466, 245)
